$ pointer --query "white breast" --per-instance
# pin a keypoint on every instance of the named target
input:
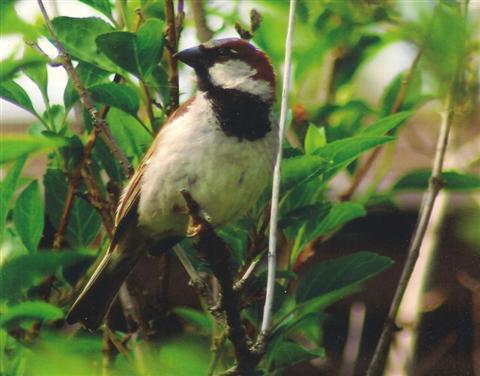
(224, 175)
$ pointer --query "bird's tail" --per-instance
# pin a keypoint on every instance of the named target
(98, 295)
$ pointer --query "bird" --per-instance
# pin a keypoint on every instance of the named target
(219, 146)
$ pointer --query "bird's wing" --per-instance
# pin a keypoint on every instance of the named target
(127, 214)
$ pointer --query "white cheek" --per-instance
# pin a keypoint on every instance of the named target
(236, 74)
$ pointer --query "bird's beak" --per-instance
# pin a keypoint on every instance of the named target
(191, 56)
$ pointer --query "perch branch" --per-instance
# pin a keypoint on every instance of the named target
(172, 47)
(272, 241)
(435, 184)
(98, 122)
(217, 255)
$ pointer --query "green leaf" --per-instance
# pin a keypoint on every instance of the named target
(385, 125)
(16, 146)
(288, 353)
(90, 76)
(7, 189)
(131, 136)
(195, 317)
(116, 95)
(84, 221)
(38, 73)
(14, 93)
(101, 5)
(297, 170)
(338, 215)
(342, 152)
(78, 36)
(413, 98)
(28, 216)
(138, 52)
(19, 274)
(183, 355)
(11, 23)
(340, 273)
(10, 67)
(452, 181)
(314, 139)
(33, 310)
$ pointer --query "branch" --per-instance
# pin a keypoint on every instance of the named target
(272, 241)
(399, 99)
(217, 255)
(203, 31)
(434, 187)
(99, 123)
(172, 47)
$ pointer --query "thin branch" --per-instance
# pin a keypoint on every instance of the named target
(98, 122)
(217, 255)
(434, 187)
(272, 262)
(399, 99)
(172, 47)
(203, 31)
(352, 347)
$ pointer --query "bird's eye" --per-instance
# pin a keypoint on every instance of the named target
(232, 51)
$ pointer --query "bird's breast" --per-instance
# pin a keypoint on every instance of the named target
(225, 175)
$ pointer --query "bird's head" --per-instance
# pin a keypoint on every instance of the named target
(231, 63)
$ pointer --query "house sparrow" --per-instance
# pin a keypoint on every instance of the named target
(219, 145)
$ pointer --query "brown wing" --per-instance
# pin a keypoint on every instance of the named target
(127, 207)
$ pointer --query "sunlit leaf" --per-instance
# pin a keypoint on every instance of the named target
(31, 310)
(78, 36)
(14, 93)
(314, 139)
(138, 52)
(7, 189)
(100, 5)
(28, 216)
(387, 124)
(16, 146)
(11, 66)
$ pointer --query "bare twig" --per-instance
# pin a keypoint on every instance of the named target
(399, 99)
(98, 122)
(203, 31)
(172, 47)
(217, 255)
(272, 262)
(434, 187)
(352, 347)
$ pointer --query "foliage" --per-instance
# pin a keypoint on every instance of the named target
(120, 54)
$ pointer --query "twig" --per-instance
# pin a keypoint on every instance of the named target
(217, 255)
(434, 187)
(98, 122)
(238, 286)
(172, 47)
(399, 99)
(352, 347)
(203, 31)
(272, 262)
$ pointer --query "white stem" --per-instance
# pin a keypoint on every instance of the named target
(272, 245)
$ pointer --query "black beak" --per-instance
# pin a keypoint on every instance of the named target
(191, 56)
